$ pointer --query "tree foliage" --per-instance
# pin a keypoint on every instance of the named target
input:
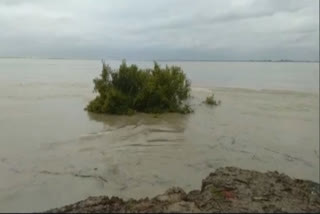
(130, 89)
(211, 101)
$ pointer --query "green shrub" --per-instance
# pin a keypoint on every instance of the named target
(131, 90)
(211, 101)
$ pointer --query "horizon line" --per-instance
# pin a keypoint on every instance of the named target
(132, 59)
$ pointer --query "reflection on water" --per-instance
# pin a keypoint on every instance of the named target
(49, 144)
(178, 121)
(155, 130)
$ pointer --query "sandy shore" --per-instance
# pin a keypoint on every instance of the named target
(228, 189)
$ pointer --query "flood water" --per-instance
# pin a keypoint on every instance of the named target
(54, 153)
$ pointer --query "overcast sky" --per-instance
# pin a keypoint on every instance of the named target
(161, 29)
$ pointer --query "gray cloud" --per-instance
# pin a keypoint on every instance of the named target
(179, 29)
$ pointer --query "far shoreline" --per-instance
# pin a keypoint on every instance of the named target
(159, 60)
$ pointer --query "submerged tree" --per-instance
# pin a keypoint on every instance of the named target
(130, 89)
(211, 101)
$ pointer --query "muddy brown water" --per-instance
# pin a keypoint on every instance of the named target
(53, 153)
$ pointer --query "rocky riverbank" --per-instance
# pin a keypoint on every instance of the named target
(228, 189)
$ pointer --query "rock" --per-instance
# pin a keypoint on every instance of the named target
(228, 189)
(173, 194)
(183, 206)
(259, 199)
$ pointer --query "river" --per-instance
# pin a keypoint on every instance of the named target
(54, 153)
